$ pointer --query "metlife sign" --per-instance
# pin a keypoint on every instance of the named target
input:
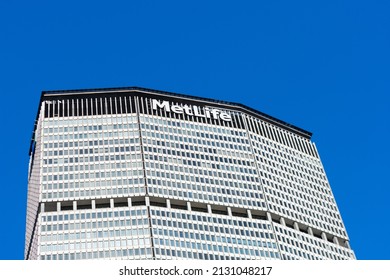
(192, 110)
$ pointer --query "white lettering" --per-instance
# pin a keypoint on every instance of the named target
(210, 113)
(188, 110)
(164, 104)
(197, 112)
(177, 109)
(225, 117)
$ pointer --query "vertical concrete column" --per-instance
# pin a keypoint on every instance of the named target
(112, 203)
(74, 205)
(249, 213)
(93, 202)
(58, 206)
(282, 221)
(296, 227)
(347, 244)
(323, 235)
(209, 209)
(147, 201)
(42, 207)
(310, 231)
(129, 201)
(168, 203)
(188, 206)
(336, 240)
(229, 210)
(269, 217)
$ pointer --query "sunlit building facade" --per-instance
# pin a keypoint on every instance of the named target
(134, 173)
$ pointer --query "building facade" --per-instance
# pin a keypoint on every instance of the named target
(134, 173)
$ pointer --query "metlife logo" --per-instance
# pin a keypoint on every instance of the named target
(192, 110)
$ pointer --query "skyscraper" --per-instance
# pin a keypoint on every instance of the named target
(134, 173)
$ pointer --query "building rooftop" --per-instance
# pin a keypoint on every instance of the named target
(55, 94)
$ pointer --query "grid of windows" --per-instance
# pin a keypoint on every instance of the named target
(100, 233)
(91, 157)
(184, 234)
(296, 187)
(111, 177)
(295, 245)
(198, 162)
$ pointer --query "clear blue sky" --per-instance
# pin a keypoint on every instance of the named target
(321, 65)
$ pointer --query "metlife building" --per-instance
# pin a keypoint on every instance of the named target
(134, 173)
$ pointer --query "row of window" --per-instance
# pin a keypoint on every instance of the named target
(90, 128)
(75, 160)
(121, 183)
(93, 215)
(91, 151)
(119, 174)
(49, 227)
(192, 126)
(95, 245)
(138, 253)
(101, 233)
(90, 144)
(86, 136)
(191, 133)
(165, 253)
(146, 253)
(85, 120)
(99, 189)
(108, 166)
